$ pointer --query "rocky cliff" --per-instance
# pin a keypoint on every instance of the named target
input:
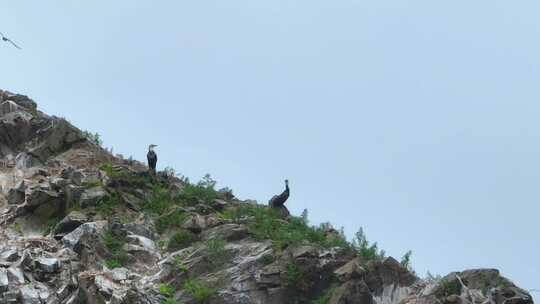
(79, 225)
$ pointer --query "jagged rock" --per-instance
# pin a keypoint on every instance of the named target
(59, 137)
(270, 276)
(9, 106)
(16, 275)
(351, 270)
(22, 100)
(195, 223)
(9, 255)
(73, 239)
(29, 295)
(69, 223)
(73, 175)
(58, 183)
(4, 281)
(15, 129)
(16, 195)
(120, 274)
(91, 197)
(48, 265)
(228, 232)
(44, 203)
(73, 194)
(352, 292)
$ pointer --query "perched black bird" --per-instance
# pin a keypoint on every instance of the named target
(5, 39)
(279, 200)
(152, 159)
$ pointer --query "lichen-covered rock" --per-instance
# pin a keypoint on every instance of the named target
(91, 197)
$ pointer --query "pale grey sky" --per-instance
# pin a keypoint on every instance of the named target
(417, 120)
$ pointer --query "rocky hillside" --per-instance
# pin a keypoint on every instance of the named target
(79, 225)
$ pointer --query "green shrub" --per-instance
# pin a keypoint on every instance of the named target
(406, 260)
(449, 287)
(366, 250)
(94, 138)
(266, 223)
(293, 275)
(159, 201)
(193, 194)
(199, 291)
(181, 240)
(115, 245)
(129, 177)
(109, 205)
(166, 290)
(172, 219)
(216, 252)
(180, 264)
(113, 263)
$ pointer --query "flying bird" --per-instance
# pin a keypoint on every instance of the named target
(279, 200)
(152, 159)
(6, 39)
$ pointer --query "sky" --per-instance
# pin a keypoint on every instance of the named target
(416, 120)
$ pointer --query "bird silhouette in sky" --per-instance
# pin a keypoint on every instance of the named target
(6, 39)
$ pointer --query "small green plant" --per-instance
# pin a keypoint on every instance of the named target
(94, 138)
(180, 240)
(172, 219)
(199, 291)
(179, 263)
(293, 275)
(113, 263)
(115, 244)
(406, 260)
(266, 223)
(167, 290)
(216, 252)
(109, 205)
(267, 259)
(366, 250)
(449, 287)
(160, 201)
(203, 191)
(120, 175)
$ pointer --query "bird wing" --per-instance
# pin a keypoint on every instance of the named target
(15, 45)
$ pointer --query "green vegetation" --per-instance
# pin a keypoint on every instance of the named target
(204, 191)
(51, 223)
(94, 138)
(115, 245)
(406, 260)
(180, 264)
(117, 174)
(199, 291)
(180, 240)
(450, 287)
(365, 250)
(109, 205)
(325, 297)
(293, 275)
(160, 201)
(266, 223)
(267, 259)
(166, 290)
(216, 252)
(173, 219)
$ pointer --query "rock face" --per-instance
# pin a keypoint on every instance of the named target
(80, 226)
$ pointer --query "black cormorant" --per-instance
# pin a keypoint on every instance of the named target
(152, 159)
(279, 200)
